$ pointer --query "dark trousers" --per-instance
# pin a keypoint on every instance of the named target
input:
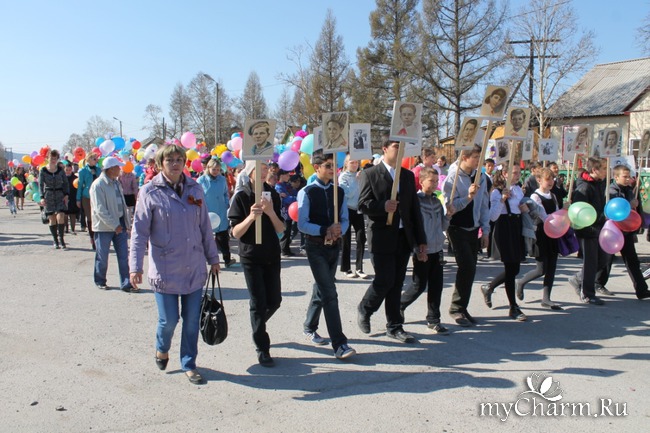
(594, 260)
(223, 243)
(465, 244)
(322, 261)
(358, 223)
(390, 271)
(632, 264)
(263, 282)
(426, 275)
(287, 235)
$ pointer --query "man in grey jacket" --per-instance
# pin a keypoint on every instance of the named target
(109, 217)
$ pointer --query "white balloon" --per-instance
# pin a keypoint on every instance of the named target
(215, 220)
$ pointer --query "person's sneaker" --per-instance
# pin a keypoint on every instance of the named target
(361, 274)
(265, 360)
(315, 338)
(401, 335)
(461, 320)
(363, 322)
(351, 274)
(437, 328)
(519, 290)
(102, 286)
(230, 263)
(593, 300)
(288, 254)
(603, 290)
(516, 314)
(573, 281)
(487, 294)
(469, 317)
(643, 295)
(344, 351)
(646, 269)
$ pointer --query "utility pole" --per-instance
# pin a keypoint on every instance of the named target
(120, 124)
(531, 65)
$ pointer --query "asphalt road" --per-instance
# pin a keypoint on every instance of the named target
(78, 359)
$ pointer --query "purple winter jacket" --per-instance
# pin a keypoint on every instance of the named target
(179, 235)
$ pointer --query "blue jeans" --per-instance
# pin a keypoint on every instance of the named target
(322, 261)
(120, 244)
(168, 315)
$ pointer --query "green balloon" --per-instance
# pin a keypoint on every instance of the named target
(36, 197)
(582, 214)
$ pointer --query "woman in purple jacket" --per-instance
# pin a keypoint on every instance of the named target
(171, 216)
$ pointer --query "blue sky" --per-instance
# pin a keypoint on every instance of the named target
(65, 61)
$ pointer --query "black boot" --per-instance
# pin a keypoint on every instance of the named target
(54, 235)
(61, 230)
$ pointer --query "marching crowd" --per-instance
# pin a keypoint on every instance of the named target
(181, 224)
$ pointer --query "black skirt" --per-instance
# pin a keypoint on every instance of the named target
(129, 199)
(507, 235)
(546, 246)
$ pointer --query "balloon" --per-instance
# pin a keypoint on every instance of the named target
(75, 183)
(236, 143)
(11, 164)
(611, 239)
(107, 147)
(44, 151)
(631, 223)
(119, 143)
(17, 163)
(646, 206)
(582, 214)
(302, 133)
(227, 156)
(138, 170)
(234, 135)
(38, 160)
(191, 154)
(617, 209)
(288, 160)
(295, 146)
(15, 181)
(79, 153)
(188, 140)
(307, 144)
(19, 186)
(197, 166)
(293, 211)
(36, 196)
(557, 224)
(237, 153)
(235, 162)
(136, 145)
(97, 151)
(340, 159)
(406, 163)
(307, 168)
(27, 159)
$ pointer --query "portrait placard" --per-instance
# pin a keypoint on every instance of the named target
(548, 149)
(494, 102)
(258, 139)
(318, 138)
(361, 146)
(335, 132)
(575, 140)
(517, 122)
(467, 135)
(406, 124)
(527, 148)
(502, 151)
(644, 146)
(608, 143)
(412, 149)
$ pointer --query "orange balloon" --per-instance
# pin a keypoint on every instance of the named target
(128, 167)
(75, 183)
(19, 186)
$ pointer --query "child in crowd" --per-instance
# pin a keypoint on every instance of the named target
(547, 248)
(427, 266)
(8, 193)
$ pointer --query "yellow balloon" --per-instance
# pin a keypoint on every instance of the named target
(192, 154)
(27, 159)
(139, 155)
(307, 168)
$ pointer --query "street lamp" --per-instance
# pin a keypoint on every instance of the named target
(120, 124)
(216, 108)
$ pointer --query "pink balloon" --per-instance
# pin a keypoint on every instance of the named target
(295, 146)
(197, 166)
(611, 238)
(236, 143)
(288, 160)
(557, 224)
(188, 140)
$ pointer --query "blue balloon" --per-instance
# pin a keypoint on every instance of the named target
(119, 143)
(617, 209)
(235, 134)
(235, 162)
(138, 170)
(340, 159)
(99, 140)
(307, 145)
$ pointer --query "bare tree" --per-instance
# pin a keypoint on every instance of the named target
(179, 111)
(76, 140)
(461, 47)
(560, 50)
(97, 127)
(252, 103)
(306, 109)
(154, 120)
(201, 105)
(643, 35)
(329, 67)
(283, 112)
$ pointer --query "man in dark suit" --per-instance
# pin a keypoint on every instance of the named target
(390, 246)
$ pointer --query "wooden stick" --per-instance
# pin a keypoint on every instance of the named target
(335, 180)
(512, 165)
(398, 170)
(258, 199)
(481, 158)
(572, 173)
(609, 178)
(638, 178)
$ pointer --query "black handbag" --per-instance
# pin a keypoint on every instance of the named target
(44, 218)
(214, 325)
